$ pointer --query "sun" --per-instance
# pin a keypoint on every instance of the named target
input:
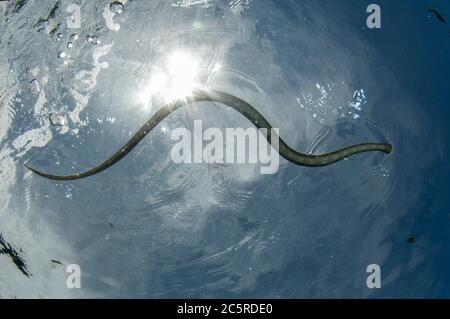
(174, 80)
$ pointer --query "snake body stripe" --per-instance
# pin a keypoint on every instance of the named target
(240, 106)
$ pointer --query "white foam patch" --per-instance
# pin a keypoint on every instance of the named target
(7, 174)
(239, 6)
(190, 3)
(108, 16)
(33, 138)
(42, 99)
(85, 82)
(7, 93)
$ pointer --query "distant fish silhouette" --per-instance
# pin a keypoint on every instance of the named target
(439, 16)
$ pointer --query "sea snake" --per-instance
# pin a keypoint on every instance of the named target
(242, 107)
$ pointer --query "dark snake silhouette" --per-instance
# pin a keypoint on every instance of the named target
(245, 109)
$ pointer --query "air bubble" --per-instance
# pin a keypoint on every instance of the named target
(57, 119)
(69, 45)
(62, 54)
(74, 37)
(93, 39)
(116, 7)
(59, 36)
(34, 87)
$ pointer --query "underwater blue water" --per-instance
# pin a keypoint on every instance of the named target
(147, 227)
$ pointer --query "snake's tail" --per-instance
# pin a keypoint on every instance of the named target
(325, 159)
(55, 177)
(387, 148)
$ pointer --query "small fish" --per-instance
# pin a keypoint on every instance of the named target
(56, 262)
(411, 240)
(439, 16)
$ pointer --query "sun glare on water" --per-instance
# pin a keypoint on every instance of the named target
(176, 79)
